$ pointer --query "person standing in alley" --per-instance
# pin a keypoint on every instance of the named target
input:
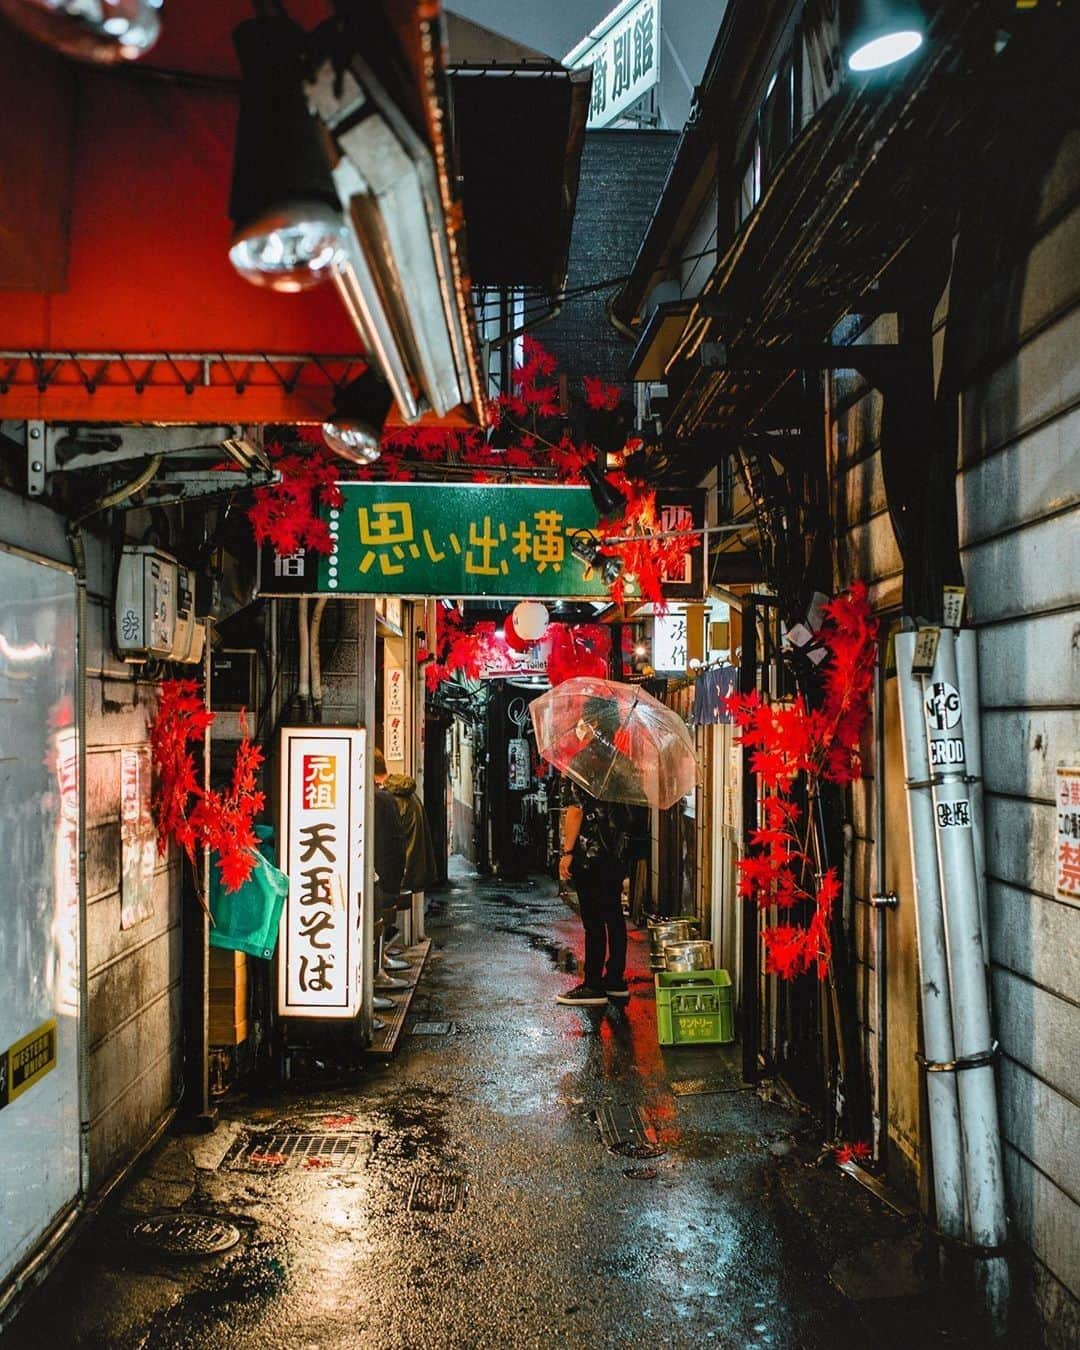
(596, 844)
(421, 868)
(389, 847)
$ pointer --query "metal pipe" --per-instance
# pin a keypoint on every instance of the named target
(941, 1093)
(967, 667)
(881, 1094)
(972, 1037)
(303, 683)
(314, 657)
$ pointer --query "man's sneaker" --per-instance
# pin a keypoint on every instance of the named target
(618, 993)
(584, 996)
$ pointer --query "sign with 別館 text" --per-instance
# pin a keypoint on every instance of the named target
(624, 53)
(320, 952)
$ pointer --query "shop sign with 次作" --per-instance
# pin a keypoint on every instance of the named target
(467, 539)
(320, 953)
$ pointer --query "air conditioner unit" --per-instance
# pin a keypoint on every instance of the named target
(146, 599)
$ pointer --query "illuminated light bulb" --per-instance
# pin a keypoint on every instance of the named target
(289, 250)
(885, 51)
(354, 443)
(106, 31)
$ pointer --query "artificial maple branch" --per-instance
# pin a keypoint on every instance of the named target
(185, 811)
(792, 743)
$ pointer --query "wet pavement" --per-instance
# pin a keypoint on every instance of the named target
(720, 1226)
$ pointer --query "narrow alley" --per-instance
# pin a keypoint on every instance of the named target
(717, 1226)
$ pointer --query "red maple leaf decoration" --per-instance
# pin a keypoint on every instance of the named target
(792, 742)
(183, 810)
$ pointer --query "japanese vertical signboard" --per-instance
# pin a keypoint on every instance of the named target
(624, 53)
(466, 539)
(1067, 858)
(138, 839)
(670, 652)
(322, 801)
(394, 712)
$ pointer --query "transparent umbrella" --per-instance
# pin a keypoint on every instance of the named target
(616, 741)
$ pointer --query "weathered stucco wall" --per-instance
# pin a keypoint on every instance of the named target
(134, 974)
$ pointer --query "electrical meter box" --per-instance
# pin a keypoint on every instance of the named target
(146, 601)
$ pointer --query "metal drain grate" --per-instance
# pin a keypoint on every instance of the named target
(625, 1131)
(185, 1234)
(436, 1194)
(431, 1029)
(271, 1151)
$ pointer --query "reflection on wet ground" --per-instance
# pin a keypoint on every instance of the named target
(719, 1230)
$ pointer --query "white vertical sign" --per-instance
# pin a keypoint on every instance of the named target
(624, 53)
(1067, 870)
(320, 952)
(394, 712)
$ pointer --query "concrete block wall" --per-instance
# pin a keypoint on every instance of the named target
(1018, 491)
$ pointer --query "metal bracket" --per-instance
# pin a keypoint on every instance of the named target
(178, 486)
(69, 447)
(885, 900)
(35, 458)
(978, 1061)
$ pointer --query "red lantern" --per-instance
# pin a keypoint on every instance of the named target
(515, 643)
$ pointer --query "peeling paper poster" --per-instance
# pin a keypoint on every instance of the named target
(137, 838)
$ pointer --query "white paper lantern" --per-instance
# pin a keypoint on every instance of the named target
(530, 620)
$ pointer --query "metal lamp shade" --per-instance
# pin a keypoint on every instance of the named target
(608, 500)
(360, 411)
(283, 202)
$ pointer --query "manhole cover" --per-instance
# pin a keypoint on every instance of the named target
(186, 1234)
(431, 1029)
(433, 1193)
(279, 1150)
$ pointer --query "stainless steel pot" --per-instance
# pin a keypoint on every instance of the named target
(687, 956)
(663, 932)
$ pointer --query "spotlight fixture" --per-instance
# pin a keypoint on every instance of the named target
(586, 549)
(396, 277)
(881, 32)
(608, 500)
(104, 31)
(356, 423)
(284, 206)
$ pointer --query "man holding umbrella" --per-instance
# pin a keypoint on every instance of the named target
(596, 841)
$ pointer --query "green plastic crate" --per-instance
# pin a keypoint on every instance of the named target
(694, 1008)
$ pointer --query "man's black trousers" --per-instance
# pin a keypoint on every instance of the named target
(600, 897)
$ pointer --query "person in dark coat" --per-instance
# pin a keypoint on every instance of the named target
(421, 866)
(389, 848)
(597, 841)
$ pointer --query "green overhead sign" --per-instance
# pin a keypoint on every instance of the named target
(450, 539)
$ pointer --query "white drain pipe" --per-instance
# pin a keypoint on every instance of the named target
(972, 1040)
(967, 667)
(945, 1143)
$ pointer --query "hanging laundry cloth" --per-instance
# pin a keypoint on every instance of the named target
(710, 690)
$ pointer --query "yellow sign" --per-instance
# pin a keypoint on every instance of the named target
(27, 1062)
